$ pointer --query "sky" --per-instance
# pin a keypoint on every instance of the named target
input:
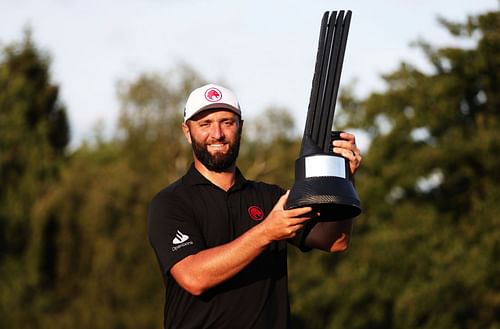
(264, 50)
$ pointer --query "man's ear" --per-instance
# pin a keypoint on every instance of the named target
(185, 130)
(241, 126)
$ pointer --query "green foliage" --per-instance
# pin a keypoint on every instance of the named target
(269, 148)
(34, 133)
(105, 271)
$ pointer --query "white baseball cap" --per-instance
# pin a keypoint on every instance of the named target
(210, 96)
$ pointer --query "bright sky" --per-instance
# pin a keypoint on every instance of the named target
(263, 50)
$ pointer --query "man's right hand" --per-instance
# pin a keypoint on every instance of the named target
(283, 224)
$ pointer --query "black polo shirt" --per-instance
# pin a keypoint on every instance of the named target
(193, 214)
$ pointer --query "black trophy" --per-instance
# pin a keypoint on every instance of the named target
(322, 178)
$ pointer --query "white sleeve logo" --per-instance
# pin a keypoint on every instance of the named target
(180, 237)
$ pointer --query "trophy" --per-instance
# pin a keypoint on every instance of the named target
(322, 178)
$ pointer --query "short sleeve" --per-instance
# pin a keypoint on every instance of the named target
(172, 229)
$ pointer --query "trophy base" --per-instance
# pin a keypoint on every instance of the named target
(333, 197)
(322, 183)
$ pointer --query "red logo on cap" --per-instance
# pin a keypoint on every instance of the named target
(213, 95)
(255, 213)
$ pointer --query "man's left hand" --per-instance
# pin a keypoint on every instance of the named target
(348, 149)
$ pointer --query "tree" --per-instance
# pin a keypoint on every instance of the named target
(34, 133)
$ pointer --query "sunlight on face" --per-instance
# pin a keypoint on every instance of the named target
(215, 139)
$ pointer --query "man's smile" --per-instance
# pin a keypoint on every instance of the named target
(217, 146)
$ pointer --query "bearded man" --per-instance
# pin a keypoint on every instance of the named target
(220, 239)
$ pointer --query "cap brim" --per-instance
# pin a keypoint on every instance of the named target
(215, 106)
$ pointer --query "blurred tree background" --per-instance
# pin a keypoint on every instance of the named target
(74, 251)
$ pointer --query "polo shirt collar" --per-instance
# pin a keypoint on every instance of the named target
(194, 177)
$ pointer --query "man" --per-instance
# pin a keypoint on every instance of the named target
(220, 239)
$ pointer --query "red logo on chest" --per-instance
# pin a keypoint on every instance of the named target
(255, 213)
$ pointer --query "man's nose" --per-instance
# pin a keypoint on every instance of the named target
(217, 132)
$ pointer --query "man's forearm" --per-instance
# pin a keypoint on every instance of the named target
(210, 267)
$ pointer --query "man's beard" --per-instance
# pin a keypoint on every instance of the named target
(217, 162)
